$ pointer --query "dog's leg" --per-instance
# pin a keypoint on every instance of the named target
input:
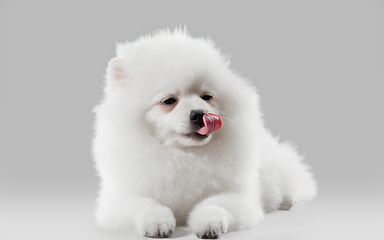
(118, 209)
(155, 221)
(284, 179)
(225, 212)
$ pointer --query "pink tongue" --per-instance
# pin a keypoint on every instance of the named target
(212, 122)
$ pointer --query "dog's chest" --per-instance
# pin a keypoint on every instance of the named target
(187, 178)
(181, 184)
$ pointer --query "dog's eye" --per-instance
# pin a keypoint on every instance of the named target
(207, 97)
(169, 101)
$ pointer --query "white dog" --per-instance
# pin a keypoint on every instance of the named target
(162, 155)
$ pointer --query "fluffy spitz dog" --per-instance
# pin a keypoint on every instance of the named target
(180, 140)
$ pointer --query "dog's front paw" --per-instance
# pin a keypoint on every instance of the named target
(159, 229)
(209, 222)
(156, 222)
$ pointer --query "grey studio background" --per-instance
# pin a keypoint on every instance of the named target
(318, 65)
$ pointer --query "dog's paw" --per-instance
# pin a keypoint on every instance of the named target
(287, 204)
(156, 222)
(159, 230)
(209, 222)
(212, 230)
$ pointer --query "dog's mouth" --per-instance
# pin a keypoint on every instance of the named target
(196, 136)
(212, 122)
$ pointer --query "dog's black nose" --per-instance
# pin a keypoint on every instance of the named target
(196, 117)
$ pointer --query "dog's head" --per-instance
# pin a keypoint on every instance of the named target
(174, 84)
(186, 116)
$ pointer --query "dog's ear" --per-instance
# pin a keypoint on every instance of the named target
(117, 71)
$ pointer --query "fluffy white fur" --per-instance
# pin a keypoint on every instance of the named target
(154, 177)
